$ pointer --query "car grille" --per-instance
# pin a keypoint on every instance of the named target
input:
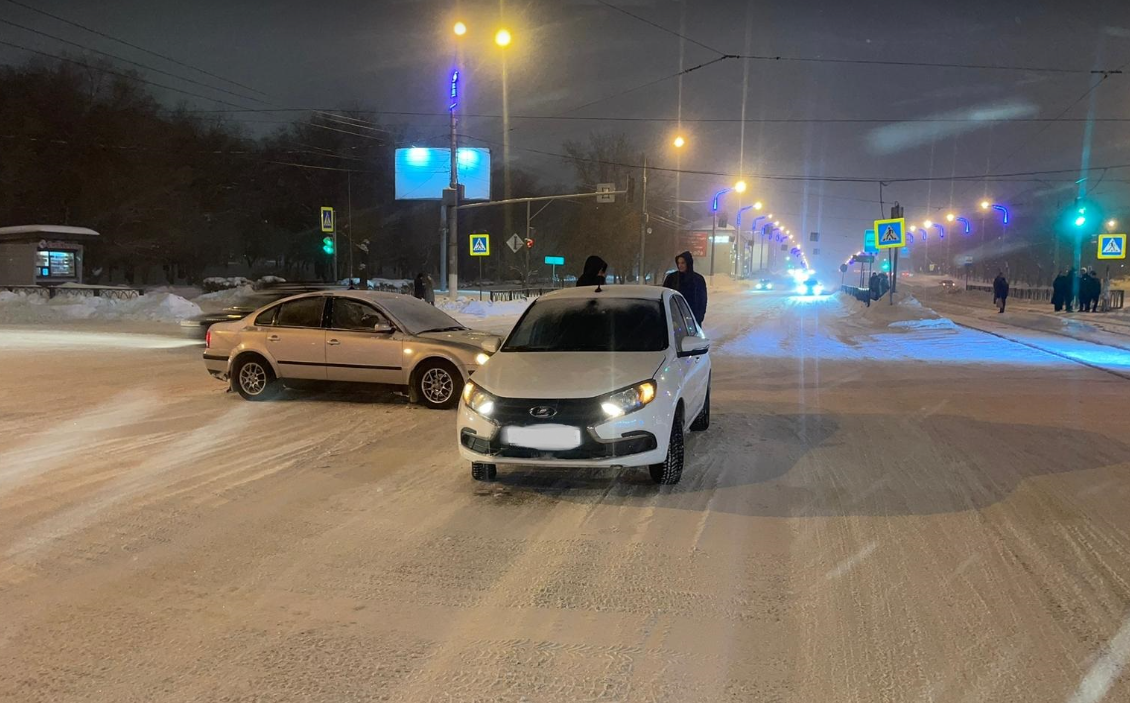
(579, 412)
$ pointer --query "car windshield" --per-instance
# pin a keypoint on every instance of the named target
(418, 317)
(590, 325)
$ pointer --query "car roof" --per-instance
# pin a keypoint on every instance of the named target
(613, 291)
(375, 296)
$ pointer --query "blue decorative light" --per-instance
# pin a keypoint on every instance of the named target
(1004, 211)
(739, 222)
(965, 222)
(454, 89)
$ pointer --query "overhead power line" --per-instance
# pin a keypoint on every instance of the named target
(132, 63)
(661, 27)
(132, 46)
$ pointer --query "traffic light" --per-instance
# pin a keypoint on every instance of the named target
(886, 265)
(328, 245)
(529, 243)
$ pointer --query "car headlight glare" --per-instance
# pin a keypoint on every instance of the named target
(482, 358)
(800, 289)
(628, 400)
(478, 400)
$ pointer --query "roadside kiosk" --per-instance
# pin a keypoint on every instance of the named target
(42, 255)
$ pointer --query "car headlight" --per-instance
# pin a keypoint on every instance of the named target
(817, 289)
(482, 358)
(800, 289)
(768, 286)
(478, 400)
(628, 400)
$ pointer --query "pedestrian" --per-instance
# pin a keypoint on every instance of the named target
(1084, 285)
(1059, 290)
(1069, 290)
(418, 286)
(692, 285)
(1000, 290)
(873, 287)
(1094, 289)
(429, 290)
(593, 274)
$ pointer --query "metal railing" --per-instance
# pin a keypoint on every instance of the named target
(515, 294)
(85, 291)
(1043, 294)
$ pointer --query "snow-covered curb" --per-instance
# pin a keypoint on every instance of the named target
(16, 308)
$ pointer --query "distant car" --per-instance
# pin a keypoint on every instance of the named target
(586, 378)
(763, 284)
(196, 327)
(948, 284)
(348, 336)
(809, 286)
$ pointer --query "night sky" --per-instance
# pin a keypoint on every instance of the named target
(394, 55)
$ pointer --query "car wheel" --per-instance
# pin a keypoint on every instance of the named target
(483, 472)
(671, 470)
(438, 385)
(702, 422)
(253, 378)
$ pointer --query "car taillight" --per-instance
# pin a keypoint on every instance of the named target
(208, 338)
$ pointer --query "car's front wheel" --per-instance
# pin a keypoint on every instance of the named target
(253, 378)
(671, 470)
(438, 385)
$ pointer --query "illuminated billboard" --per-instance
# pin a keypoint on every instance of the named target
(422, 173)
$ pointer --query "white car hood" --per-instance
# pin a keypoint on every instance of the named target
(565, 374)
(472, 338)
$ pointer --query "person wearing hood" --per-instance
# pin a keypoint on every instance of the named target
(593, 275)
(692, 285)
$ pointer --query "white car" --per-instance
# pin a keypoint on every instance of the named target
(606, 377)
(350, 336)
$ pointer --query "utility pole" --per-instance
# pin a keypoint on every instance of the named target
(349, 219)
(643, 223)
(451, 199)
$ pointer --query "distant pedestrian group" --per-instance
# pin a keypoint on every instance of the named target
(1086, 289)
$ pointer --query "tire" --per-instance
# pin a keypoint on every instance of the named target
(671, 470)
(483, 472)
(437, 385)
(702, 422)
(253, 378)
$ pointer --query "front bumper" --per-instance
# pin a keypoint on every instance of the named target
(631, 440)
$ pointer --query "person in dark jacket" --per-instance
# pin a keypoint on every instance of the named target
(1000, 290)
(593, 275)
(419, 287)
(1059, 290)
(1068, 290)
(1094, 290)
(1084, 286)
(692, 285)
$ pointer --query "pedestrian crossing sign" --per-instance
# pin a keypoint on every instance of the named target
(480, 245)
(1112, 246)
(890, 234)
(327, 219)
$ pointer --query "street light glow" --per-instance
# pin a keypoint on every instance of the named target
(950, 217)
(777, 223)
(757, 206)
(460, 29)
(927, 224)
(679, 142)
(1112, 223)
(985, 204)
(502, 37)
(740, 186)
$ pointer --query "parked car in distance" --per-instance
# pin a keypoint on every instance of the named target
(948, 284)
(763, 284)
(612, 376)
(348, 336)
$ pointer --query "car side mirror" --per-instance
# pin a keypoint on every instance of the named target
(694, 346)
(492, 345)
(383, 327)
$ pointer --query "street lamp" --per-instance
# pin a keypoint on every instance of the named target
(757, 206)
(460, 29)
(679, 142)
(502, 37)
(1111, 224)
(950, 217)
(737, 187)
(965, 222)
(985, 204)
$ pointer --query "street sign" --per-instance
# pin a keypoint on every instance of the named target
(891, 233)
(480, 245)
(605, 189)
(555, 260)
(1112, 246)
(869, 242)
(515, 243)
(327, 219)
(864, 258)
(969, 261)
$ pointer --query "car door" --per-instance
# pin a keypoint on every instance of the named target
(297, 341)
(698, 371)
(356, 351)
(683, 366)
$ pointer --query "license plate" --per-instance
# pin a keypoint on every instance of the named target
(547, 437)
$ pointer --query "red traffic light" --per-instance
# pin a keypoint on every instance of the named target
(529, 243)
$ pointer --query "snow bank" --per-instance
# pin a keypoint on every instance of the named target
(940, 323)
(225, 298)
(484, 308)
(155, 307)
(906, 314)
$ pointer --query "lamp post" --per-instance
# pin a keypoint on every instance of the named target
(738, 187)
(740, 249)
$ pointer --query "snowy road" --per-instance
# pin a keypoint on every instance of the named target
(913, 513)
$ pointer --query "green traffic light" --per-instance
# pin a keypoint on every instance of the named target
(328, 245)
